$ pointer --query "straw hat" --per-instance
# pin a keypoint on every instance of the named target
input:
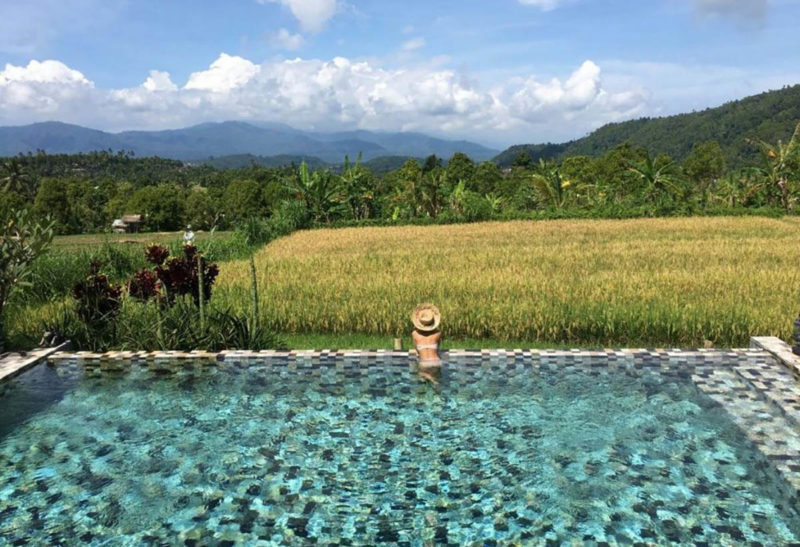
(426, 318)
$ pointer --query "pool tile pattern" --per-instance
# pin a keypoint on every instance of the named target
(766, 406)
(756, 388)
(338, 459)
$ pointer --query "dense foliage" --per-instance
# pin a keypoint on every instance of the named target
(22, 240)
(85, 193)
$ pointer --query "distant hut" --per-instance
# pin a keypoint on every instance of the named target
(127, 224)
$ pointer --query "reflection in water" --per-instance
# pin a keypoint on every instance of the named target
(28, 394)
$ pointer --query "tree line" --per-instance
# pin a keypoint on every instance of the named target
(84, 193)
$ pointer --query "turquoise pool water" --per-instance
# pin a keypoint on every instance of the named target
(268, 457)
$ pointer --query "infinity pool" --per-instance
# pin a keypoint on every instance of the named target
(348, 456)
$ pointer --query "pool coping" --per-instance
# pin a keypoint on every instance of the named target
(14, 364)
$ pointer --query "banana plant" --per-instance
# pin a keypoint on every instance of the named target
(357, 189)
(550, 187)
(319, 190)
(734, 189)
(779, 163)
(656, 180)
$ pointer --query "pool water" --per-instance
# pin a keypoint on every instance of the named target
(265, 456)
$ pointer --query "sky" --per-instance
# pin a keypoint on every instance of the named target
(497, 72)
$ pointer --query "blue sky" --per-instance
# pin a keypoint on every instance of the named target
(497, 72)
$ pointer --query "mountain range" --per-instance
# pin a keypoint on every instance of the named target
(200, 142)
(769, 116)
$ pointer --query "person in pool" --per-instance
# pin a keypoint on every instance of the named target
(426, 336)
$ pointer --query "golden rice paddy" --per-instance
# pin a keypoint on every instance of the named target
(665, 282)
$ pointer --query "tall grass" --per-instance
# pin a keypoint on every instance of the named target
(55, 273)
(670, 282)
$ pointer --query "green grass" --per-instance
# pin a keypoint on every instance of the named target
(82, 241)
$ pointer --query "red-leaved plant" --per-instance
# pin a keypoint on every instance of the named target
(97, 298)
(178, 275)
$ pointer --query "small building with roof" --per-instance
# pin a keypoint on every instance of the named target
(127, 224)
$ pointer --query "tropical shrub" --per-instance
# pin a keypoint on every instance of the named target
(21, 241)
(177, 275)
(98, 300)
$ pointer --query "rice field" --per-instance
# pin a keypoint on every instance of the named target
(656, 282)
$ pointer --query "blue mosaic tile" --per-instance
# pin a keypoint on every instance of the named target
(341, 447)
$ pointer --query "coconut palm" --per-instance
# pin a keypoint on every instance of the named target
(15, 179)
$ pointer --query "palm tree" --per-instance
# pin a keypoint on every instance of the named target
(16, 180)
(549, 185)
(656, 180)
(778, 163)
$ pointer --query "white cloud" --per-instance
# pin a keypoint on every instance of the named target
(545, 5)
(225, 74)
(312, 14)
(41, 88)
(42, 72)
(327, 95)
(159, 81)
(284, 39)
(413, 44)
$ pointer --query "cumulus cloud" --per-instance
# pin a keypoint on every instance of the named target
(41, 88)
(284, 39)
(159, 81)
(312, 14)
(225, 74)
(319, 94)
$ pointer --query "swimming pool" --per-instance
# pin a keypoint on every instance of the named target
(351, 449)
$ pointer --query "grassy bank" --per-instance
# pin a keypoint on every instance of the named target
(655, 282)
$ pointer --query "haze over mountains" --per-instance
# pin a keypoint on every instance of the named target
(231, 138)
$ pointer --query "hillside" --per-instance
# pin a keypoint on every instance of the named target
(213, 140)
(770, 116)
